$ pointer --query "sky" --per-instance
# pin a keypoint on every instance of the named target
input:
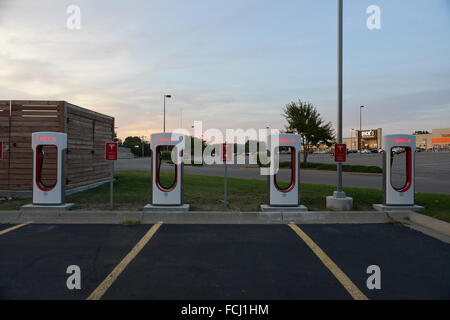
(231, 64)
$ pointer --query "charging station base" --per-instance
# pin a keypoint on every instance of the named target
(269, 208)
(154, 208)
(46, 207)
(383, 207)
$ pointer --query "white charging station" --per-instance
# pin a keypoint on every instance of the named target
(168, 195)
(48, 196)
(398, 197)
(284, 198)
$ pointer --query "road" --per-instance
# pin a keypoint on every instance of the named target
(432, 171)
(222, 262)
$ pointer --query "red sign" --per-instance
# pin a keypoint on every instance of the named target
(340, 152)
(111, 151)
(227, 152)
(1, 150)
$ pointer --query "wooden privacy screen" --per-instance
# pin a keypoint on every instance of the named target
(87, 131)
(4, 137)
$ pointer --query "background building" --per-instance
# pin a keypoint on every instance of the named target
(124, 153)
(437, 140)
(367, 139)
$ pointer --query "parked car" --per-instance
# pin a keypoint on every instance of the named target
(419, 149)
(365, 151)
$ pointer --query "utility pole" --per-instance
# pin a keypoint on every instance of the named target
(142, 144)
(360, 126)
(339, 119)
(339, 201)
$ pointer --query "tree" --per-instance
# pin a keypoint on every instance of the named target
(303, 118)
(134, 143)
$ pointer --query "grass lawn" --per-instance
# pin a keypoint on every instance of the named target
(332, 167)
(132, 191)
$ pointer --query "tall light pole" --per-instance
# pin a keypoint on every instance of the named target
(351, 138)
(339, 122)
(360, 126)
(142, 145)
(339, 201)
(165, 96)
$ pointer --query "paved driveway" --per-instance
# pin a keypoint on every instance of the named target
(222, 262)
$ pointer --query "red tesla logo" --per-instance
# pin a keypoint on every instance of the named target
(166, 139)
(401, 140)
(287, 140)
(46, 138)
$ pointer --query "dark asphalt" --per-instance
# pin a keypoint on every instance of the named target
(222, 262)
(413, 265)
(34, 258)
(226, 262)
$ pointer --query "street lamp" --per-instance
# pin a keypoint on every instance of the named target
(165, 96)
(351, 138)
(360, 124)
(142, 144)
(339, 201)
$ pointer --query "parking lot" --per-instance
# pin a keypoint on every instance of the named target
(222, 261)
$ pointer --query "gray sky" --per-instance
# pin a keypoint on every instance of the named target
(231, 64)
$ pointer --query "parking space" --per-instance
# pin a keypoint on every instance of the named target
(34, 258)
(222, 262)
(226, 262)
(412, 265)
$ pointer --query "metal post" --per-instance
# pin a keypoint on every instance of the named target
(339, 201)
(225, 192)
(164, 130)
(339, 122)
(360, 128)
(351, 138)
(111, 186)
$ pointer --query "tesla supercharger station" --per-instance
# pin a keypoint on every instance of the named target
(46, 194)
(167, 195)
(286, 197)
(398, 197)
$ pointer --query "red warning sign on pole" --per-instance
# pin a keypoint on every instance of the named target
(111, 151)
(227, 152)
(340, 152)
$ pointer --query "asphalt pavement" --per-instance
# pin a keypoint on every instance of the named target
(223, 262)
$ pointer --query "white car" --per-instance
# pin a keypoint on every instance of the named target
(365, 151)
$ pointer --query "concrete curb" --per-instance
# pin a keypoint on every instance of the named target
(430, 226)
(200, 217)
(429, 222)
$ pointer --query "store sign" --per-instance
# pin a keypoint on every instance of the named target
(368, 133)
